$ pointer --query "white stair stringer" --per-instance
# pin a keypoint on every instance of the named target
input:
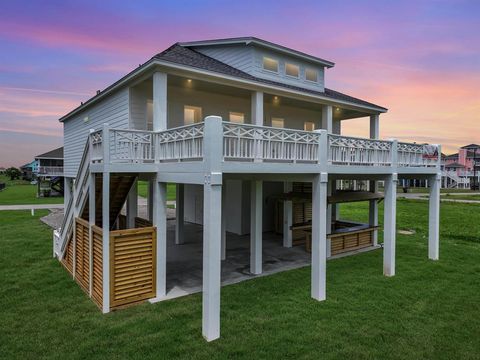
(75, 205)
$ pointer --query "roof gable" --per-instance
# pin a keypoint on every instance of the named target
(52, 154)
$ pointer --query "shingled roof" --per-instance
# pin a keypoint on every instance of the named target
(188, 57)
(52, 154)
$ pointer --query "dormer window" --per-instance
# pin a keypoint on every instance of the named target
(270, 64)
(292, 70)
(311, 74)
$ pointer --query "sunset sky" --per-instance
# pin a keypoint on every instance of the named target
(420, 59)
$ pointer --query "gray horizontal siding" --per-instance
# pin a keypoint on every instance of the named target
(238, 56)
(113, 110)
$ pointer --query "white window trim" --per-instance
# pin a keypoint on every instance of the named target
(312, 81)
(292, 76)
(267, 70)
(194, 108)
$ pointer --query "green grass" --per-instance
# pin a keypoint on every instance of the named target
(143, 190)
(429, 310)
(19, 192)
(426, 190)
(473, 196)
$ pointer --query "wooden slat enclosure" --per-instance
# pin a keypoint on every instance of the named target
(97, 266)
(349, 241)
(132, 265)
(67, 261)
(82, 253)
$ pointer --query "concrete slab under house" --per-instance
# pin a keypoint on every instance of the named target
(252, 138)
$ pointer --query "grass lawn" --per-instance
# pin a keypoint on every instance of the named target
(143, 190)
(19, 192)
(473, 196)
(427, 190)
(429, 310)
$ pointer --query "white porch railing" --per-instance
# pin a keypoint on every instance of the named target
(250, 142)
(418, 155)
(344, 150)
(182, 143)
(244, 142)
(50, 170)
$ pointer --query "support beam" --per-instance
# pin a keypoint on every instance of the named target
(327, 118)
(224, 221)
(319, 236)
(212, 212)
(106, 241)
(91, 222)
(389, 225)
(434, 217)
(132, 205)
(160, 222)
(159, 101)
(257, 108)
(151, 183)
(67, 190)
(373, 212)
(330, 186)
(287, 216)
(256, 227)
(180, 214)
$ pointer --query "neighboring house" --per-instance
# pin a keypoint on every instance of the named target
(49, 172)
(461, 170)
(251, 135)
(29, 170)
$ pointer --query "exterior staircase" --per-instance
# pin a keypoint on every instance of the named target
(78, 203)
(457, 181)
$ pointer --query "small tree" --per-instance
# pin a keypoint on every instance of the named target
(13, 173)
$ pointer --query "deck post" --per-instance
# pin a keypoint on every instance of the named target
(74, 231)
(327, 118)
(329, 216)
(434, 217)
(256, 227)
(159, 101)
(106, 240)
(132, 205)
(319, 236)
(91, 220)
(287, 216)
(224, 221)
(159, 202)
(373, 204)
(389, 231)
(212, 227)
(257, 119)
(180, 214)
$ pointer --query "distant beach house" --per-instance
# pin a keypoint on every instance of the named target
(462, 169)
(251, 136)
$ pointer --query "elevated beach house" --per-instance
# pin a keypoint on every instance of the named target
(251, 137)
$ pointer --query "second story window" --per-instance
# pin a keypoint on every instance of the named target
(278, 122)
(292, 70)
(311, 75)
(270, 64)
(192, 114)
(308, 126)
(236, 117)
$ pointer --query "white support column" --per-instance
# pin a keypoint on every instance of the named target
(180, 214)
(257, 108)
(160, 222)
(319, 236)
(159, 101)
(329, 216)
(287, 216)
(373, 204)
(132, 205)
(91, 220)
(224, 221)
(434, 217)
(106, 241)
(256, 227)
(327, 118)
(212, 227)
(389, 231)
(151, 183)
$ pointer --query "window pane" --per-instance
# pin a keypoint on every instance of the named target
(192, 114)
(237, 117)
(311, 74)
(308, 126)
(277, 122)
(292, 70)
(270, 64)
